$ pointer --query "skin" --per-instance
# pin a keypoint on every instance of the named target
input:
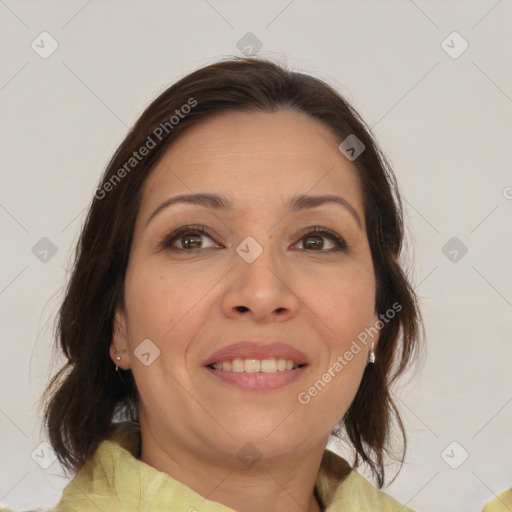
(189, 305)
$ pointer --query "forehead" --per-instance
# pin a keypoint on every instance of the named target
(254, 157)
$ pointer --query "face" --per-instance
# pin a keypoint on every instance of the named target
(232, 314)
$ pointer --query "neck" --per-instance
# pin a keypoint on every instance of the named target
(284, 483)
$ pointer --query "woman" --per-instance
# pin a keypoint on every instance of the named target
(236, 298)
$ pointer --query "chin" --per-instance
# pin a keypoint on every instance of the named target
(272, 435)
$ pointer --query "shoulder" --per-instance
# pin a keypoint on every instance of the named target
(501, 503)
(342, 488)
(356, 490)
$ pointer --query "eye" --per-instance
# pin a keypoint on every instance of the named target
(314, 240)
(186, 239)
(190, 238)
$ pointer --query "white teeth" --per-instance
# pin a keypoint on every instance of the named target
(269, 365)
(255, 365)
(252, 365)
(237, 365)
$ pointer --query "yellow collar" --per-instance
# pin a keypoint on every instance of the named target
(115, 480)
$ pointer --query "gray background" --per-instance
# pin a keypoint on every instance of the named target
(444, 122)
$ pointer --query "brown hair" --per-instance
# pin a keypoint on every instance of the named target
(85, 397)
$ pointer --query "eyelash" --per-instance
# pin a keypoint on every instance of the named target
(169, 239)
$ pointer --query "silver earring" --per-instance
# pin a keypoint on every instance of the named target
(371, 359)
(118, 358)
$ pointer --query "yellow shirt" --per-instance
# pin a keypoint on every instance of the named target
(113, 480)
(502, 503)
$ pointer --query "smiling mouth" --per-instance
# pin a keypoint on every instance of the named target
(271, 365)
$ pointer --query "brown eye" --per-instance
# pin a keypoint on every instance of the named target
(187, 239)
(190, 240)
(314, 241)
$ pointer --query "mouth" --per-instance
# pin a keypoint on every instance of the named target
(271, 365)
(256, 366)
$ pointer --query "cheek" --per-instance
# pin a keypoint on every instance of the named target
(344, 301)
(345, 304)
(159, 299)
(166, 306)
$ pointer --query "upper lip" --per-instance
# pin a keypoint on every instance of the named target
(257, 350)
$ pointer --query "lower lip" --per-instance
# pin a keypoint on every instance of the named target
(258, 380)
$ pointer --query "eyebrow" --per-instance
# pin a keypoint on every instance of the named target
(218, 202)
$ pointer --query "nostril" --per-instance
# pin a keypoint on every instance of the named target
(242, 309)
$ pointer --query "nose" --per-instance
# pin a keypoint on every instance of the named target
(260, 291)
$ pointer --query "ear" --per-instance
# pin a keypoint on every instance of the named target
(119, 345)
